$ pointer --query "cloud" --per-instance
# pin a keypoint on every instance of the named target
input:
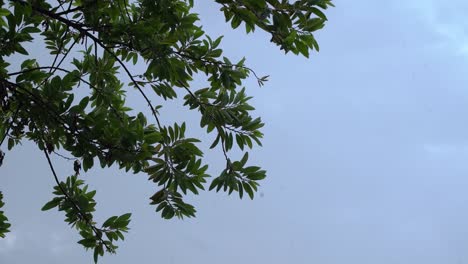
(447, 20)
(446, 149)
(57, 243)
(8, 243)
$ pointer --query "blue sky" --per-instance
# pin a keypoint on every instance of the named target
(366, 147)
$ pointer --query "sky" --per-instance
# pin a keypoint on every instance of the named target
(365, 145)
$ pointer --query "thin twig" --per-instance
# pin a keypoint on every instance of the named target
(70, 10)
(219, 127)
(60, 47)
(77, 208)
(62, 156)
(107, 49)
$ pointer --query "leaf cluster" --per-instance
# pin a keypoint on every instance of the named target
(73, 197)
(76, 103)
(291, 24)
(4, 225)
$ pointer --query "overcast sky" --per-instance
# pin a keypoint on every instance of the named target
(366, 149)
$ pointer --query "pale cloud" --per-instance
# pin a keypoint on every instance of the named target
(57, 243)
(446, 149)
(447, 20)
(8, 243)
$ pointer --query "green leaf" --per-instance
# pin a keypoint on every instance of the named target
(248, 189)
(96, 254)
(88, 242)
(88, 163)
(319, 13)
(153, 137)
(240, 187)
(4, 12)
(4, 225)
(11, 143)
(109, 221)
(53, 203)
(122, 221)
(244, 159)
(216, 141)
(83, 103)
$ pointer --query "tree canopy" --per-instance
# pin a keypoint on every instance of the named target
(95, 45)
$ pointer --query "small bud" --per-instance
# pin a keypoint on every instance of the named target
(77, 166)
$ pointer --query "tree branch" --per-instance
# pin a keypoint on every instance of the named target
(83, 216)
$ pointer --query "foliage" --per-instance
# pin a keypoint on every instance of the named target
(4, 225)
(96, 46)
